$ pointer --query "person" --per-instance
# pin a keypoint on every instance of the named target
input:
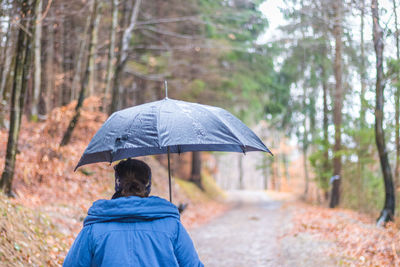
(133, 228)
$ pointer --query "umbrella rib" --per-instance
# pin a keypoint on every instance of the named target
(158, 124)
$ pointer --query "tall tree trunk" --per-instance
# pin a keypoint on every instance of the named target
(338, 103)
(92, 77)
(123, 57)
(265, 165)
(37, 62)
(240, 165)
(397, 100)
(8, 55)
(50, 79)
(22, 68)
(196, 169)
(65, 87)
(76, 80)
(68, 133)
(305, 144)
(325, 124)
(387, 213)
(111, 51)
(362, 124)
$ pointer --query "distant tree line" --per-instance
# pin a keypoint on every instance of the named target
(328, 60)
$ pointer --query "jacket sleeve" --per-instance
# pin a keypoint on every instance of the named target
(80, 254)
(184, 249)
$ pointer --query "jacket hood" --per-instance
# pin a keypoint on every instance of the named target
(130, 209)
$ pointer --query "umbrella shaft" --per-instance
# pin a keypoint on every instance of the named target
(169, 178)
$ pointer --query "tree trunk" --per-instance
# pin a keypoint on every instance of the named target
(338, 103)
(196, 169)
(50, 81)
(397, 100)
(123, 57)
(65, 87)
(68, 133)
(92, 77)
(363, 103)
(76, 80)
(22, 68)
(305, 144)
(111, 51)
(37, 62)
(265, 165)
(325, 125)
(240, 165)
(7, 59)
(387, 213)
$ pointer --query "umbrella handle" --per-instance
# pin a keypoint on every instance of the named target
(169, 178)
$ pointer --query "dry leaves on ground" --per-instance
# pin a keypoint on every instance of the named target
(358, 241)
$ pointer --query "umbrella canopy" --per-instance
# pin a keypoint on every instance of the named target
(169, 126)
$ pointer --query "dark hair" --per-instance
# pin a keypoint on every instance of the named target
(134, 178)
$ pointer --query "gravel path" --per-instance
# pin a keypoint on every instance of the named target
(252, 234)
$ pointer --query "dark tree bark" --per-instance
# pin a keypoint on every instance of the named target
(387, 213)
(338, 104)
(68, 133)
(196, 169)
(21, 72)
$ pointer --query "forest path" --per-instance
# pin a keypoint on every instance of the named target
(253, 232)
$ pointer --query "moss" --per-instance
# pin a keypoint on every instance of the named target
(192, 191)
(211, 188)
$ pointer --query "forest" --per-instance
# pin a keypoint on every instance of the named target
(321, 82)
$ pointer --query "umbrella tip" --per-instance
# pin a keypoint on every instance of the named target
(166, 88)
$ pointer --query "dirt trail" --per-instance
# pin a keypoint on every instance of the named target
(253, 234)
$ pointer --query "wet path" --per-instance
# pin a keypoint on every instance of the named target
(245, 236)
(251, 234)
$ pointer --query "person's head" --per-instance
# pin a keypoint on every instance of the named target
(132, 178)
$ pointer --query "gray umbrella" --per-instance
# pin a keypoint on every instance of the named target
(169, 126)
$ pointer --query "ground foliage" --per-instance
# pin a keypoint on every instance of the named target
(358, 241)
(40, 224)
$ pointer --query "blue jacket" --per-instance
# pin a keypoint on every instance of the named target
(132, 231)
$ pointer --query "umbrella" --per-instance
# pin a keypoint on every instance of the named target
(169, 126)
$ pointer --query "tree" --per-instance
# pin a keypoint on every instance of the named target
(397, 99)
(338, 104)
(111, 51)
(123, 57)
(21, 73)
(387, 213)
(37, 61)
(195, 176)
(84, 84)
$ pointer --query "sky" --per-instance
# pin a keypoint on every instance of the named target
(270, 9)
